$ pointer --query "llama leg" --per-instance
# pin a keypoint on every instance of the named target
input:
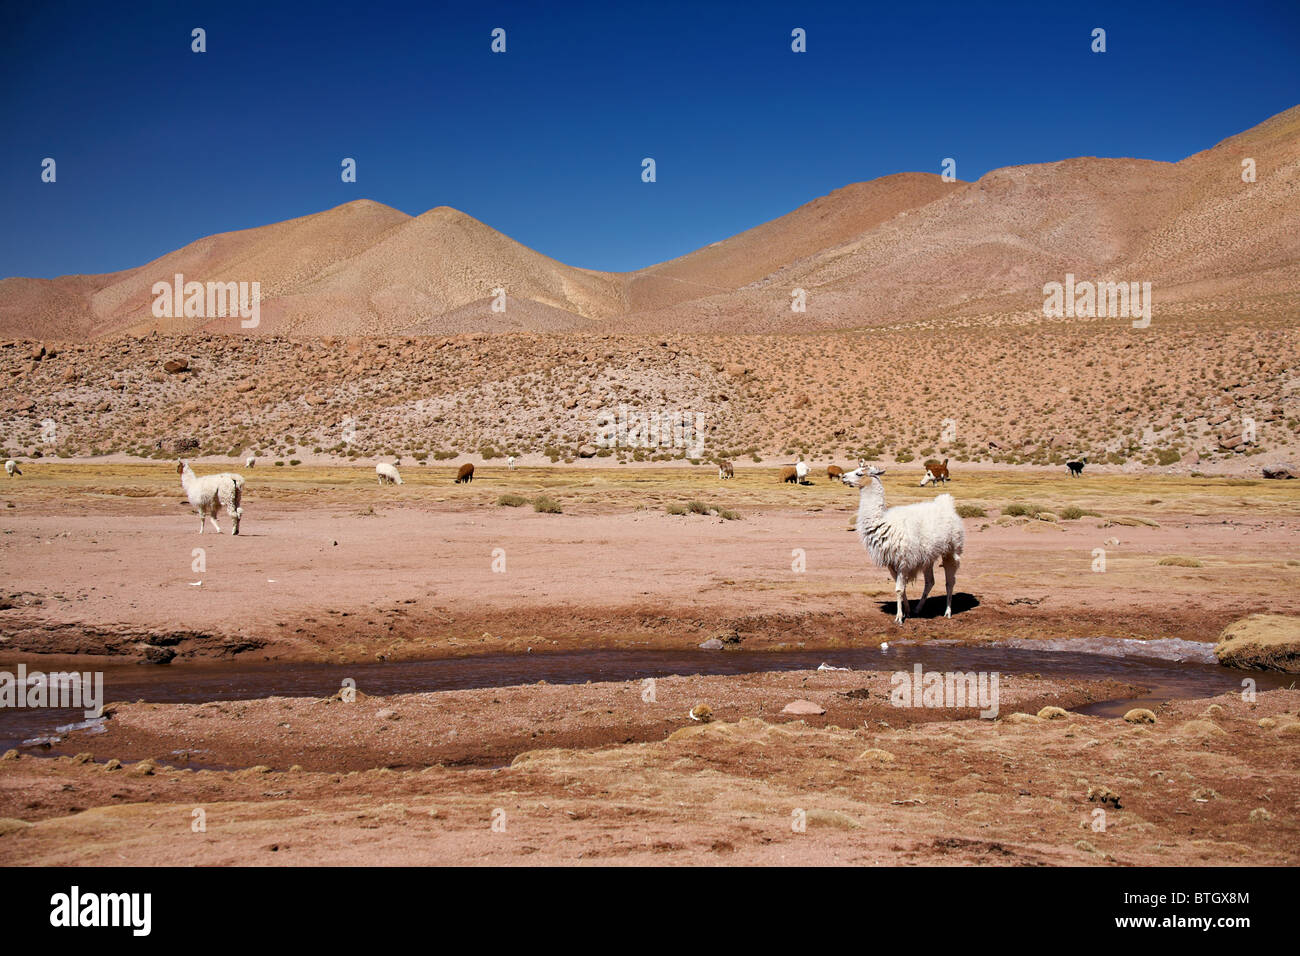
(201, 522)
(900, 595)
(213, 518)
(929, 583)
(950, 579)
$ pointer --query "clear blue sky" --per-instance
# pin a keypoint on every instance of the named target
(157, 146)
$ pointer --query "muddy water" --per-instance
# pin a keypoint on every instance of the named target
(1180, 672)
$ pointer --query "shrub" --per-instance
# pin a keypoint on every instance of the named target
(697, 507)
(512, 501)
(970, 511)
(676, 509)
(726, 514)
(1178, 561)
(546, 505)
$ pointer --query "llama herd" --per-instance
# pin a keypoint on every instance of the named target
(905, 540)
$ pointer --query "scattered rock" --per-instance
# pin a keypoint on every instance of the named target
(1281, 470)
(388, 714)
(712, 644)
(159, 655)
(176, 366)
(1140, 715)
(1053, 713)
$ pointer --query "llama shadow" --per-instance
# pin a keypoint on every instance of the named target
(934, 605)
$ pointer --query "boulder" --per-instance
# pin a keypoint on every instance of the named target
(1282, 469)
(176, 366)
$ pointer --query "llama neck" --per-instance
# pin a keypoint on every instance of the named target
(871, 504)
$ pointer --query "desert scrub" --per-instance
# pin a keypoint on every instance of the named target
(1074, 513)
(512, 501)
(697, 507)
(546, 505)
(970, 511)
(1019, 509)
(676, 509)
(726, 514)
(1179, 561)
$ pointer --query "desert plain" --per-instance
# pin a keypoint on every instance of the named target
(331, 568)
(892, 321)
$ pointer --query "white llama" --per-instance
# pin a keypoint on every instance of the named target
(906, 539)
(211, 493)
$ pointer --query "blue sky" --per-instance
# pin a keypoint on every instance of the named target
(157, 146)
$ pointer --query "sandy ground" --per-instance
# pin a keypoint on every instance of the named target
(331, 567)
(99, 560)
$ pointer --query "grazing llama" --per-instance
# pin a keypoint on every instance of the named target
(211, 493)
(725, 470)
(465, 473)
(935, 472)
(510, 462)
(801, 470)
(906, 539)
(789, 474)
(388, 474)
(834, 471)
(11, 468)
(250, 462)
(1076, 466)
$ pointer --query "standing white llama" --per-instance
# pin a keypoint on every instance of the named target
(211, 493)
(906, 539)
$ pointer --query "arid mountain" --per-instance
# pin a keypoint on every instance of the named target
(908, 247)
